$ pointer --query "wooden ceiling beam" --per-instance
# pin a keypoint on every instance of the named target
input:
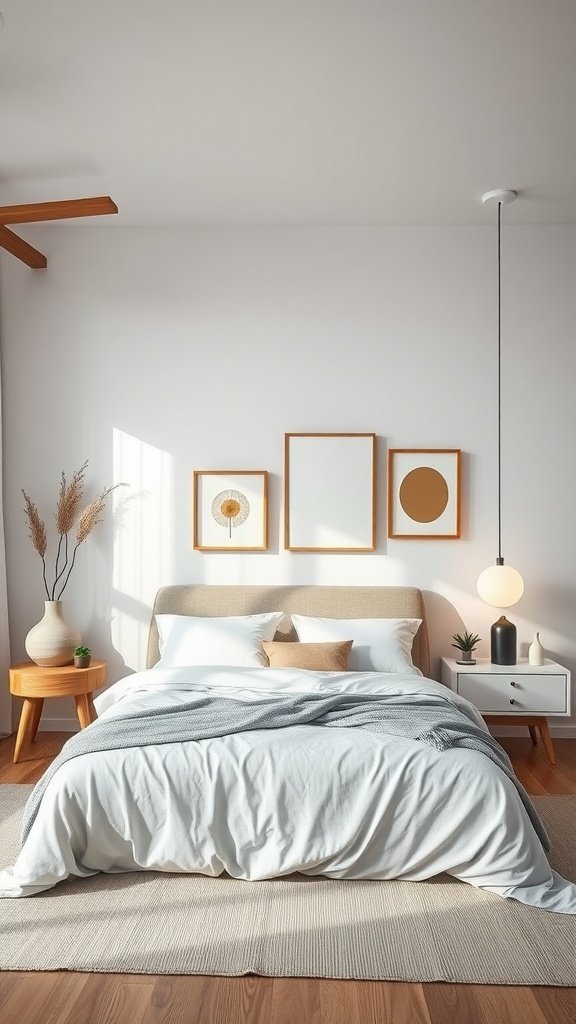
(60, 210)
(22, 250)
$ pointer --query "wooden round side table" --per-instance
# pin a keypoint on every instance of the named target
(34, 683)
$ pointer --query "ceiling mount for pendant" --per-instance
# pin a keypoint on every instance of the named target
(500, 195)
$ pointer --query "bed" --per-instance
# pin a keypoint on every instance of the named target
(338, 771)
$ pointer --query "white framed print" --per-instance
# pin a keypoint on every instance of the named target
(424, 493)
(230, 510)
(330, 492)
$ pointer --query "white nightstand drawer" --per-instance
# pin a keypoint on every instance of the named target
(515, 693)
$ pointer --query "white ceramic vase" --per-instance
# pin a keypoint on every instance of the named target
(52, 641)
(536, 654)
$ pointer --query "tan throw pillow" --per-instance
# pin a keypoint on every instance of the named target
(324, 657)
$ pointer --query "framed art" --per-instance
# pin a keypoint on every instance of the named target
(230, 510)
(330, 492)
(424, 493)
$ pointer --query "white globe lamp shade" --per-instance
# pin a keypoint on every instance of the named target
(500, 586)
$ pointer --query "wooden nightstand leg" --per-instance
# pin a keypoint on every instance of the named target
(85, 709)
(547, 740)
(26, 724)
(533, 734)
(39, 704)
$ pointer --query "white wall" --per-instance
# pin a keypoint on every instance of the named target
(154, 352)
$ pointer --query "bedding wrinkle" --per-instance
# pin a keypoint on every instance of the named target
(137, 809)
(210, 810)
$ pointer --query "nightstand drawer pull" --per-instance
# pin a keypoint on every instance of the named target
(512, 701)
(513, 683)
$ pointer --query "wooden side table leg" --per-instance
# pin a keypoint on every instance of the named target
(547, 740)
(533, 734)
(38, 705)
(83, 709)
(26, 724)
(91, 708)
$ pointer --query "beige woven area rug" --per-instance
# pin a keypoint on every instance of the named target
(154, 923)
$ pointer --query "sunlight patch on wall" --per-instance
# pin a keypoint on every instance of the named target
(144, 540)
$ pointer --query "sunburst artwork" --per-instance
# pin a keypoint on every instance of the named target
(230, 510)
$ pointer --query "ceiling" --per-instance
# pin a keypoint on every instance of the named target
(291, 111)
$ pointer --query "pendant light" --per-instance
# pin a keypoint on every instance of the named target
(500, 585)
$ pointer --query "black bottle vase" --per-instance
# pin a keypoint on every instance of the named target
(503, 642)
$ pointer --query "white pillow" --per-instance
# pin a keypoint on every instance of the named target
(225, 640)
(380, 645)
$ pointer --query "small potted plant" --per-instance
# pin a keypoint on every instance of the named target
(466, 644)
(82, 656)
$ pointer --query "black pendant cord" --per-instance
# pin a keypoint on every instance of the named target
(499, 560)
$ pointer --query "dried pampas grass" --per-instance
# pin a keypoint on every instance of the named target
(67, 516)
(36, 526)
(69, 500)
(92, 515)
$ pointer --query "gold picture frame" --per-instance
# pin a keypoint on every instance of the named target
(424, 486)
(230, 509)
(330, 492)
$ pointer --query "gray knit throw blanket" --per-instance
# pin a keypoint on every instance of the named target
(428, 718)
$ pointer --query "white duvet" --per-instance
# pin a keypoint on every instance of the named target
(345, 803)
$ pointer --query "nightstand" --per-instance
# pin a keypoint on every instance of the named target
(35, 683)
(519, 694)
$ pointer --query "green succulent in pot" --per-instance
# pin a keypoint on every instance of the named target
(82, 656)
(466, 643)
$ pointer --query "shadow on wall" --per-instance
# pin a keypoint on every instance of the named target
(550, 609)
(443, 621)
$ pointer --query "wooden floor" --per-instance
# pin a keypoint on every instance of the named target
(62, 997)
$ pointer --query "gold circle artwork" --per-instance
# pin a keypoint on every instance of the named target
(230, 508)
(423, 494)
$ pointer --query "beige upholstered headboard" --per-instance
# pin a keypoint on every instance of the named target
(330, 602)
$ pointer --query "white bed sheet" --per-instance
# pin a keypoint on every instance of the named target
(345, 803)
